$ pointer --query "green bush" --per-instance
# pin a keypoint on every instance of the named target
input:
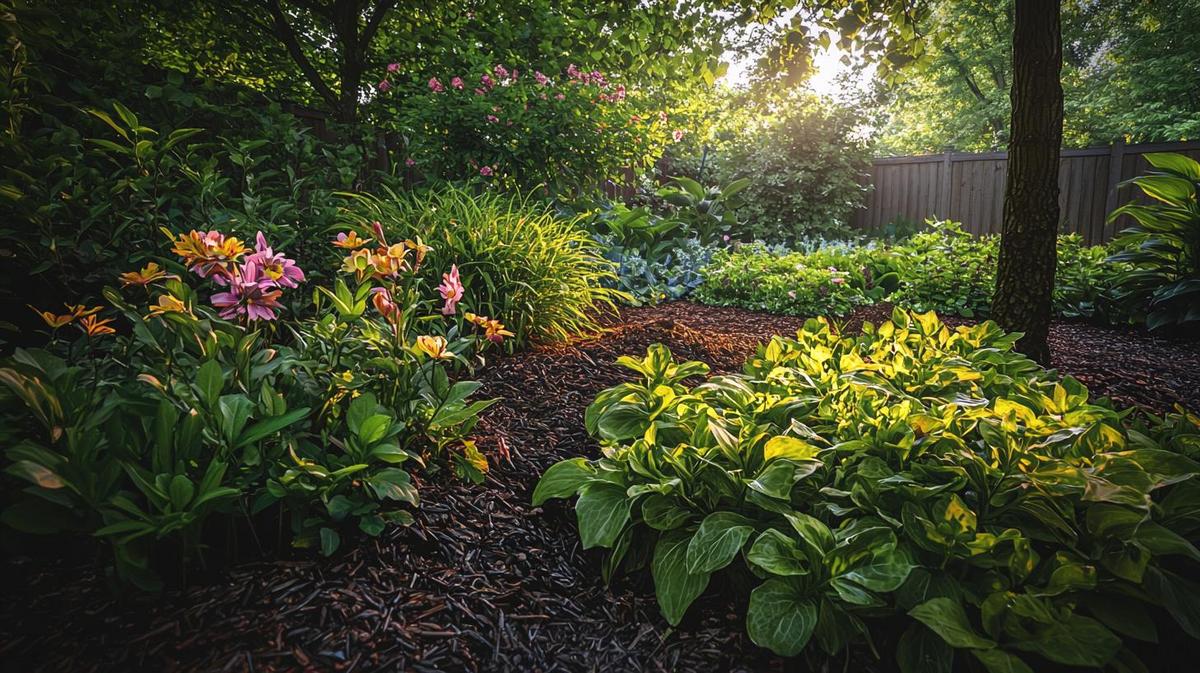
(805, 168)
(947, 269)
(942, 269)
(915, 492)
(793, 284)
(1161, 284)
(172, 411)
(540, 274)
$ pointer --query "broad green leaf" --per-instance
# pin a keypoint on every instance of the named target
(777, 554)
(601, 511)
(780, 618)
(947, 618)
(923, 651)
(210, 380)
(720, 537)
(270, 426)
(563, 480)
(997, 660)
(789, 447)
(674, 586)
(1075, 641)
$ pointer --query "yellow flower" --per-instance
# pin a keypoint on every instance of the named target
(433, 346)
(93, 326)
(420, 248)
(168, 304)
(208, 253)
(149, 274)
(357, 263)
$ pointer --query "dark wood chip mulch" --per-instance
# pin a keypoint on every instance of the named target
(482, 580)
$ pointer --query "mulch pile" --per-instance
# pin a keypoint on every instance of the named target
(482, 580)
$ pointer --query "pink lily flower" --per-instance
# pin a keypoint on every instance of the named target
(451, 290)
(249, 294)
(275, 267)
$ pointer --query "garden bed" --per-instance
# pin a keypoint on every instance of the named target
(482, 580)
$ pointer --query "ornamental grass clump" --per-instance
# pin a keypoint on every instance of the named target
(542, 275)
(915, 492)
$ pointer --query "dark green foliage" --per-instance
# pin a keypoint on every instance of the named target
(1161, 282)
(920, 493)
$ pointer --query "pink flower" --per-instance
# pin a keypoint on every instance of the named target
(377, 228)
(457, 83)
(479, 92)
(409, 162)
(493, 118)
(501, 72)
(837, 280)
(560, 96)
(485, 171)
(542, 80)
(792, 294)
(572, 71)
(274, 267)
(662, 117)
(393, 67)
(451, 289)
(384, 85)
(677, 134)
(435, 86)
(725, 238)
(487, 82)
(249, 294)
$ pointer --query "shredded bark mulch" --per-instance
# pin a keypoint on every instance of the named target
(483, 580)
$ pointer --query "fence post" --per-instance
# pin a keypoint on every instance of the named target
(944, 195)
(1116, 157)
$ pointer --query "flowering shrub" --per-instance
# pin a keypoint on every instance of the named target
(213, 401)
(914, 492)
(516, 127)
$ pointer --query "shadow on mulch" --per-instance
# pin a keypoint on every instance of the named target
(482, 580)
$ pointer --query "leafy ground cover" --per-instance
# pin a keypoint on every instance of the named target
(482, 580)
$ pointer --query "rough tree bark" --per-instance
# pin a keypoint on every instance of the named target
(1025, 276)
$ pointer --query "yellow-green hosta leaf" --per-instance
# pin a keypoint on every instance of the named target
(674, 586)
(780, 617)
(789, 447)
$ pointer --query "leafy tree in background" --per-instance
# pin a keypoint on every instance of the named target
(1128, 73)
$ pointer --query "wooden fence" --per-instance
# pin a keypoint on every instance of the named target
(969, 188)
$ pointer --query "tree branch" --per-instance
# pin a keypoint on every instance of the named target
(284, 33)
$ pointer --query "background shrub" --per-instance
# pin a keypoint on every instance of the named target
(805, 165)
(540, 274)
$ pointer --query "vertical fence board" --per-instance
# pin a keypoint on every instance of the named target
(970, 188)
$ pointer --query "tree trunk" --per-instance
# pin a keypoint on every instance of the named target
(1025, 276)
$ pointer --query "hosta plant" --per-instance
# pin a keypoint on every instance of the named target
(915, 492)
(1161, 284)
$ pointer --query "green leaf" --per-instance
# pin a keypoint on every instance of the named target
(180, 491)
(210, 380)
(393, 483)
(661, 513)
(922, 651)
(777, 554)
(719, 539)
(1075, 641)
(998, 661)
(885, 570)
(601, 511)
(780, 618)
(674, 586)
(270, 426)
(947, 618)
(563, 480)
(330, 540)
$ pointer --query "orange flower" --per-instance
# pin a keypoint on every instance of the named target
(494, 330)
(149, 274)
(350, 241)
(93, 326)
(420, 248)
(55, 321)
(208, 253)
(358, 263)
